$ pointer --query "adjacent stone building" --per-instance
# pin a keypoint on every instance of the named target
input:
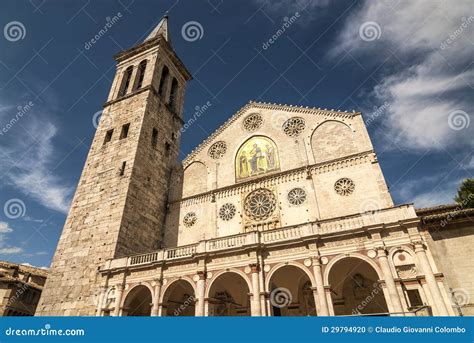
(283, 210)
(20, 288)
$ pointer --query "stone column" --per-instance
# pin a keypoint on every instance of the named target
(200, 293)
(263, 304)
(255, 303)
(100, 303)
(430, 279)
(118, 299)
(318, 277)
(156, 298)
(389, 280)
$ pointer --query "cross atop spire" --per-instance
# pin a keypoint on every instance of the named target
(161, 29)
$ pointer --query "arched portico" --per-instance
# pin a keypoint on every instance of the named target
(179, 299)
(138, 302)
(228, 294)
(355, 288)
(291, 291)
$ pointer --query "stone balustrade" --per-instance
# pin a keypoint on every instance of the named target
(289, 233)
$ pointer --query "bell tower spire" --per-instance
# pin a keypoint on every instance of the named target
(161, 29)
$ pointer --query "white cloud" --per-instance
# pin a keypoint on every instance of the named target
(28, 158)
(284, 8)
(10, 250)
(7, 250)
(430, 87)
(427, 191)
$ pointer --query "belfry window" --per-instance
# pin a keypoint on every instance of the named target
(122, 168)
(108, 136)
(164, 78)
(174, 94)
(127, 75)
(125, 129)
(140, 74)
(154, 138)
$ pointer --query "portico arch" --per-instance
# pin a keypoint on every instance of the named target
(228, 294)
(354, 286)
(291, 291)
(138, 301)
(179, 299)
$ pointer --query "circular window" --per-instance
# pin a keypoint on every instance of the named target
(344, 186)
(217, 150)
(227, 212)
(260, 204)
(190, 219)
(294, 126)
(252, 122)
(296, 196)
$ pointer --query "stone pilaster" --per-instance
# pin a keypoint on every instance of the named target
(425, 268)
(389, 281)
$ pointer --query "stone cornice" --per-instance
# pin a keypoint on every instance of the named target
(268, 106)
(280, 177)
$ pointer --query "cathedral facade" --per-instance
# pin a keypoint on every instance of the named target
(283, 210)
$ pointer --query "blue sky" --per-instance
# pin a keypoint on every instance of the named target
(406, 65)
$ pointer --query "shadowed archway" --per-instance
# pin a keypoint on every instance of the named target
(138, 302)
(355, 289)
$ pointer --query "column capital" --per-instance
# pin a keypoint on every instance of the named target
(202, 274)
(255, 267)
(316, 260)
(418, 245)
(381, 251)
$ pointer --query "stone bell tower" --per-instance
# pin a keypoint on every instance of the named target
(120, 203)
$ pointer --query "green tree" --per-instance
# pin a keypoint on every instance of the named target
(465, 196)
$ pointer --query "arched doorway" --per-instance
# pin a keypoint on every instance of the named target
(355, 289)
(138, 302)
(179, 299)
(291, 293)
(229, 296)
